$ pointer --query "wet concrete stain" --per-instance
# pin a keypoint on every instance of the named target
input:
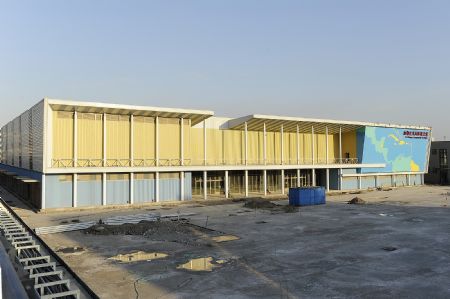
(225, 238)
(200, 264)
(138, 256)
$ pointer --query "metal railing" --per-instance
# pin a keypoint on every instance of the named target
(68, 163)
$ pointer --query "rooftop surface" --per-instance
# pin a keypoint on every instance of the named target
(395, 246)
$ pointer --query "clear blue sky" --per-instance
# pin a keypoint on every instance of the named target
(385, 61)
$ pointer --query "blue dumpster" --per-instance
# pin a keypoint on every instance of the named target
(306, 196)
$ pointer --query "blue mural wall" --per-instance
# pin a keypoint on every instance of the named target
(402, 150)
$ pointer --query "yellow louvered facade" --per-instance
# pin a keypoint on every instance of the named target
(224, 146)
(118, 139)
(63, 141)
(90, 138)
(144, 140)
(169, 139)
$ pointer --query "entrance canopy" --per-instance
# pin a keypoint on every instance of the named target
(256, 122)
(196, 116)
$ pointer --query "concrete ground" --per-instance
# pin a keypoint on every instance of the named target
(396, 245)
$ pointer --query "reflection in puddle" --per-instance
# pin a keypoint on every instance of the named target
(138, 256)
(200, 264)
(225, 238)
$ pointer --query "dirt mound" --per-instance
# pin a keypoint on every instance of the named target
(259, 203)
(170, 231)
(356, 201)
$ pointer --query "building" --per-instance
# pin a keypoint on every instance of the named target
(73, 154)
(439, 172)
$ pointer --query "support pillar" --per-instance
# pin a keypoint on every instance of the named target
(264, 144)
(204, 144)
(326, 145)
(75, 190)
(205, 185)
(313, 177)
(246, 182)
(43, 192)
(131, 188)
(313, 147)
(359, 178)
(282, 182)
(265, 182)
(340, 144)
(104, 140)
(157, 186)
(246, 142)
(157, 141)
(282, 145)
(104, 189)
(408, 180)
(181, 142)
(131, 142)
(298, 177)
(394, 181)
(376, 181)
(75, 139)
(182, 186)
(227, 187)
(298, 145)
(328, 179)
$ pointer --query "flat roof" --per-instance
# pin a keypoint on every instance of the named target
(255, 122)
(196, 116)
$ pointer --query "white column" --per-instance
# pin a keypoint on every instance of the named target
(182, 186)
(282, 145)
(313, 146)
(265, 144)
(246, 142)
(340, 158)
(246, 182)
(394, 180)
(131, 188)
(104, 139)
(298, 145)
(43, 192)
(298, 177)
(408, 180)
(359, 182)
(313, 177)
(376, 181)
(265, 182)
(157, 186)
(104, 189)
(75, 190)
(282, 182)
(205, 185)
(204, 144)
(181, 142)
(227, 190)
(340, 144)
(157, 143)
(326, 144)
(328, 179)
(75, 139)
(131, 141)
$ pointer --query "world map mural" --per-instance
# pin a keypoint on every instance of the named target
(402, 150)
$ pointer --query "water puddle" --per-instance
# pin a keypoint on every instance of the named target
(138, 256)
(200, 264)
(225, 238)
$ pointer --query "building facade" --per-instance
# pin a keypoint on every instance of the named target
(439, 172)
(62, 154)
